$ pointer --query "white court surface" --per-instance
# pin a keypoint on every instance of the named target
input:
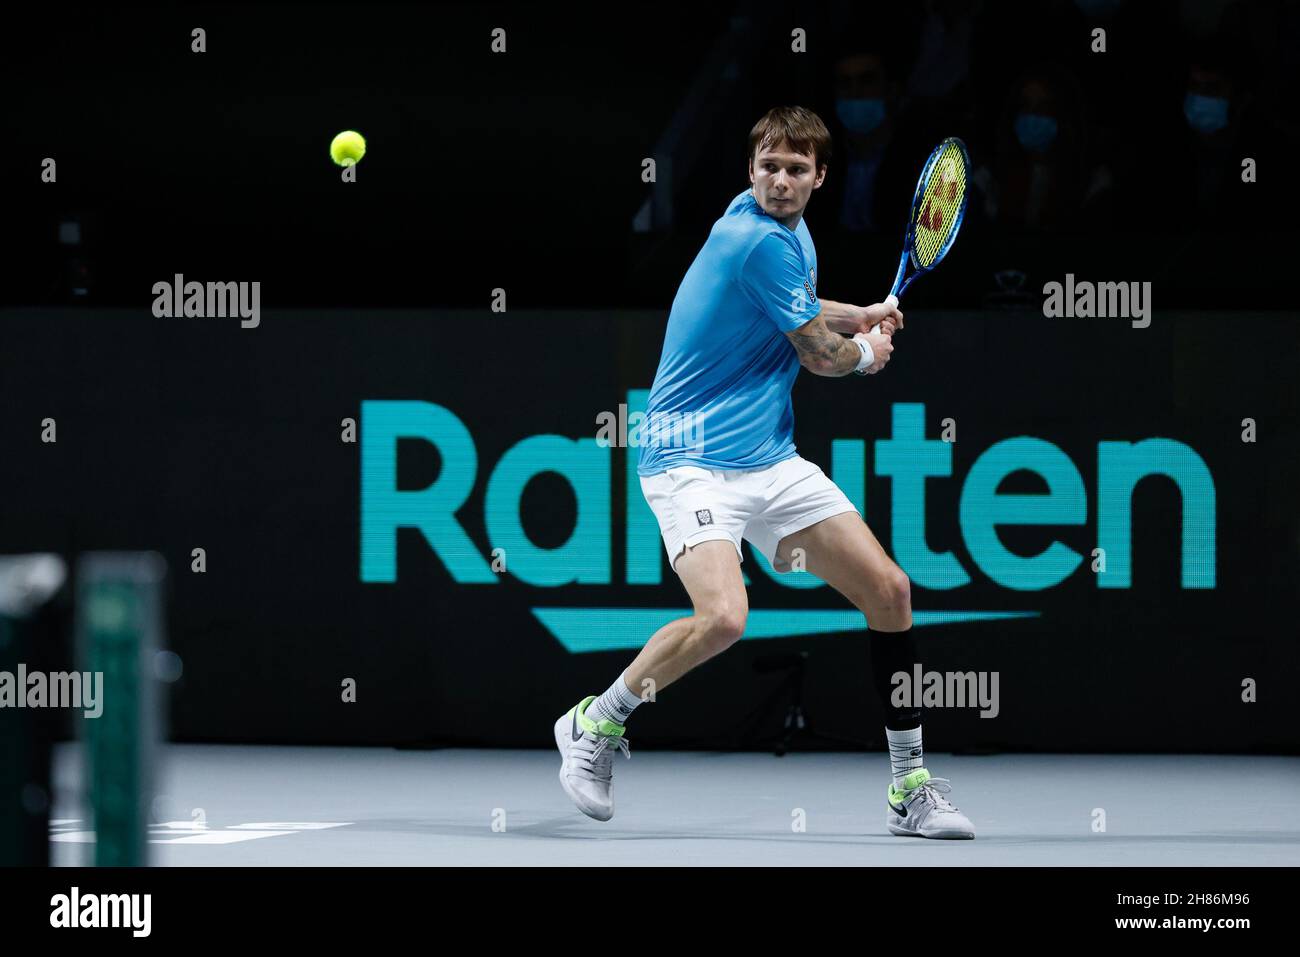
(252, 805)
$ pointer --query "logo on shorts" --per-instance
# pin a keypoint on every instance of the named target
(704, 517)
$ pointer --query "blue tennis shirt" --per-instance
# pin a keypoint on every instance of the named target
(721, 396)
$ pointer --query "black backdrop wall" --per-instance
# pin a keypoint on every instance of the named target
(176, 434)
(523, 170)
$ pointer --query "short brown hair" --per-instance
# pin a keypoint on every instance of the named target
(802, 129)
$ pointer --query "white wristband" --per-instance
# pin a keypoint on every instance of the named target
(868, 357)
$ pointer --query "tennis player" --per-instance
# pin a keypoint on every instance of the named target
(718, 464)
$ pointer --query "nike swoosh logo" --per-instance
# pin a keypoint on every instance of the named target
(901, 810)
(577, 735)
(586, 630)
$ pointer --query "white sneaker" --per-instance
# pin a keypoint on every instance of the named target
(587, 767)
(919, 809)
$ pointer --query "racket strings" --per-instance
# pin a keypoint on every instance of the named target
(940, 206)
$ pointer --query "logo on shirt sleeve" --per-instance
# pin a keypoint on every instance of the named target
(704, 517)
(810, 285)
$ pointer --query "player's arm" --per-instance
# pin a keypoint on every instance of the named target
(776, 278)
(849, 319)
(826, 353)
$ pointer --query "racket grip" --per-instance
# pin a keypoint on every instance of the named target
(891, 301)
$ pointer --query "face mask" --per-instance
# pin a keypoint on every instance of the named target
(1035, 131)
(861, 116)
(1206, 114)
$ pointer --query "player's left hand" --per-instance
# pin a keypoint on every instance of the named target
(890, 319)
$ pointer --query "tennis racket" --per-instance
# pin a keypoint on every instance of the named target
(938, 207)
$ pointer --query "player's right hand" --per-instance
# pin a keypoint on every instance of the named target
(882, 318)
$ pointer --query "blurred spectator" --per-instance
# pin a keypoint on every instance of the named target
(1041, 178)
(864, 109)
(1219, 128)
(1261, 39)
(869, 179)
(938, 85)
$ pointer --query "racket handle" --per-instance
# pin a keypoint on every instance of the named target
(892, 302)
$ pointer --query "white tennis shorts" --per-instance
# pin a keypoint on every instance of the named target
(762, 506)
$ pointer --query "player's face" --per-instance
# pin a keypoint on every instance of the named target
(783, 181)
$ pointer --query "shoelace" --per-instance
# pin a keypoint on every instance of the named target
(599, 764)
(933, 791)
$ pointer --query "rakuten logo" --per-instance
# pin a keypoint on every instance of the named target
(906, 458)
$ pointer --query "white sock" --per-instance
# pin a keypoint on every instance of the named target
(616, 704)
(905, 753)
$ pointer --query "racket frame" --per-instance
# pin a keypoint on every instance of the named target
(909, 238)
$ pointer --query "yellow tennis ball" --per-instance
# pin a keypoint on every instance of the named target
(347, 148)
